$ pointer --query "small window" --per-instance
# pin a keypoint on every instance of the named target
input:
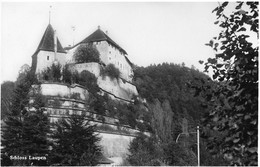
(110, 52)
(48, 57)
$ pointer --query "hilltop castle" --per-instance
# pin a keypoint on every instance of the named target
(50, 51)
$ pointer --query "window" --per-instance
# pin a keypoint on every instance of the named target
(48, 57)
(110, 52)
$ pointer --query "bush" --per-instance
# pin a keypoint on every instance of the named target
(67, 75)
(52, 73)
(86, 53)
(111, 71)
(89, 80)
(75, 96)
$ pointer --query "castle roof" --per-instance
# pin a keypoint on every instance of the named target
(47, 41)
(99, 35)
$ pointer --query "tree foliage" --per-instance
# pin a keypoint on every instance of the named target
(6, 96)
(89, 80)
(170, 98)
(111, 71)
(144, 152)
(75, 143)
(25, 131)
(52, 73)
(234, 98)
(86, 53)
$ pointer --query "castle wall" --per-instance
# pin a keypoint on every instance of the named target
(102, 47)
(110, 54)
(115, 145)
(57, 89)
(117, 87)
(46, 59)
(91, 67)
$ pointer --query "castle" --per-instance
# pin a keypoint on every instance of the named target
(50, 51)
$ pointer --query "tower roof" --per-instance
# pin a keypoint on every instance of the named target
(47, 41)
(99, 35)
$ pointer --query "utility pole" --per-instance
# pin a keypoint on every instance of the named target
(198, 142)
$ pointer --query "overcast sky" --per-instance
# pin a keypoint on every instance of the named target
(150, 32)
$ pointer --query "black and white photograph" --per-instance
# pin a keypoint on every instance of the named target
(129, 83)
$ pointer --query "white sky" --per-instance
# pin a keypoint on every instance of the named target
(150, 32)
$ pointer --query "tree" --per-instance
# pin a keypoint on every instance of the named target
(66, 74)
(6, 96)
(144, 152)
(86, 53)
(35, 133)
(177, 155)
(25, 131)
(111, 71)
(89, 80)
(52, 73)
(75, 142)
(234, 98)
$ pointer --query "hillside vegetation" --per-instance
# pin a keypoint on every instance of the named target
(171, 102)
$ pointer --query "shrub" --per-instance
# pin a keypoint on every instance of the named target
(67, 75)
(86, 53)
(75, 96)
(75, 77)
(89, 80)
(52, 73)
(111, 71)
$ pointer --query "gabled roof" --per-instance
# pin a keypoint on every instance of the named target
(99, 35)
(47, 41)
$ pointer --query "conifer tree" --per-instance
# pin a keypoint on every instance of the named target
(75, 142)
(25, 132)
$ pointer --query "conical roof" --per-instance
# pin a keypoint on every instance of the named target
(47, 41)
(99, 35)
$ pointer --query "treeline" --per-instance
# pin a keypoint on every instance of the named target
(170, 100)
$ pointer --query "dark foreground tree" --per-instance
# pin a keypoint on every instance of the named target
(25, 131)
(75, 143)
(234, 99)
(86, 54)
(144, 152)
(6, 96)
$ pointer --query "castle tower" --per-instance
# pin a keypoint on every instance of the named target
(48, 52)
